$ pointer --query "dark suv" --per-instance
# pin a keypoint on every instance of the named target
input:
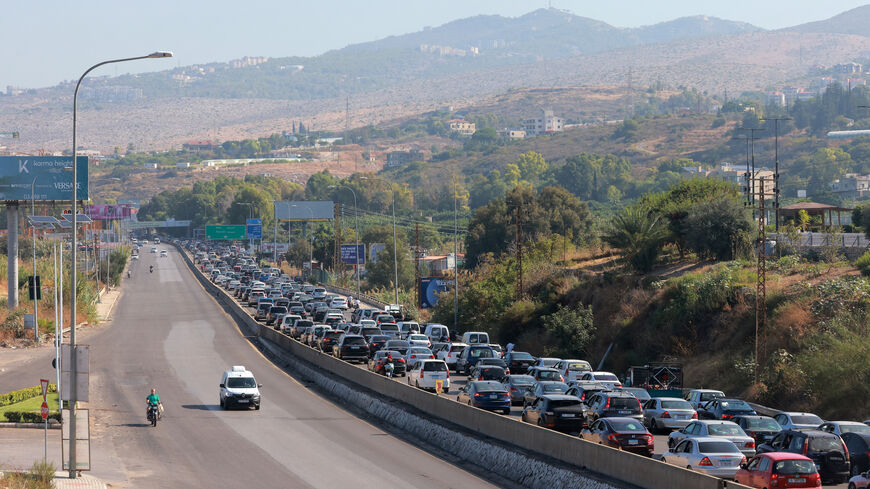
(519, 361)
(351, 347)
(826, 450)
(612, 404)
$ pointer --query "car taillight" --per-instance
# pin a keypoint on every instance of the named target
(507, 371)
(448, 374)
(607, 406)
(431, 356)
(613, 438)
(422, 374)
(806, 446)
(513, 389)
(845, 450)
(478, 394)
(705, 462)
(742, 461)
(694, 415)
(666, 414)
(749, 444)
(727, 416)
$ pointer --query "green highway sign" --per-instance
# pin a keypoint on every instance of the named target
(214, 231)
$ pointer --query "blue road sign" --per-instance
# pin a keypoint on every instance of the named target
(42, 178)
(255, 228)
(351, 255)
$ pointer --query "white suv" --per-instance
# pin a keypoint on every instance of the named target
(424, 374)
(239, 388)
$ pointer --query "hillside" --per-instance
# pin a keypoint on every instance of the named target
(855, 21)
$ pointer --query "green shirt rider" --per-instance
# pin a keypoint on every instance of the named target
(153, 399)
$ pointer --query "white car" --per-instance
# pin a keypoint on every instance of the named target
(417, 353)
(287, 322)
(661, 413)
(134, 257)
(798, 421)
(338, 303)
(451, 355)
(840, 427)
(425, 373)
(604, 378)
(728, 430)
(419, 340)
(712, 456)
(699, 397)
(163, 253)
(571, 370)
(239, 388)
(154, 250)
(233, 284)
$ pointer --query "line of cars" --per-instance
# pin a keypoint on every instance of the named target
(707, 431)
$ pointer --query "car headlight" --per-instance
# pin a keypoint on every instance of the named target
(229, 394)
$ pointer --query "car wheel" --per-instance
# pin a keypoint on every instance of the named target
(670, 443)
(655, 426)
(257, 407)
(851, 485)
(540, 423)
(689, 467)
(506, 412)
(855, 470)
(222, 404)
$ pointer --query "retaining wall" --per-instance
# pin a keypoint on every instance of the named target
(584, 456)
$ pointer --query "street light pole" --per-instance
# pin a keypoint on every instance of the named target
(35, 295)
(72, 335)
(455, 262)
(395, 252)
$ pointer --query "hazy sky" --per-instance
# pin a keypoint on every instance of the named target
(45, 41)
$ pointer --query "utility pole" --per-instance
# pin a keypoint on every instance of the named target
(776, 166)
(336, 257)
(419, 299)
(519, 241)
(750, 163)
(761, 274)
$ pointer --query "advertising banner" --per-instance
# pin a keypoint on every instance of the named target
(430, 287)
(111, 212)
(311, 210)
(266, 247)
(353, 255)
(374, 249)
(42, 178)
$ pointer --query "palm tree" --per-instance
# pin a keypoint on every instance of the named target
(639, 236)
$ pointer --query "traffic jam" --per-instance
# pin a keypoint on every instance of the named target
(648, 412)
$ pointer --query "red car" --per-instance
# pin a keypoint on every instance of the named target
(779, 469)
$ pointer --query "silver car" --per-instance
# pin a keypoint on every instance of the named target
(715, 428)
(516, 385)
(708, 455)
(667, 413)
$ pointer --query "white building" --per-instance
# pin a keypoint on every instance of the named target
(547, 123)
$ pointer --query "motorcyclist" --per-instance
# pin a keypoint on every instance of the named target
(151, 269)
(388, 365)
(153, 400)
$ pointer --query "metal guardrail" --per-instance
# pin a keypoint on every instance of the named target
(349, 292)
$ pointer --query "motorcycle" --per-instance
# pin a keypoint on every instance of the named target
(388, 370)
(153, 413)
(151, 269)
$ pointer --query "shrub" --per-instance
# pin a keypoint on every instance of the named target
(24, 394)
(27, 417)
(863, 263)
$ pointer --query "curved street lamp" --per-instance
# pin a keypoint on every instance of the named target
(72, 334)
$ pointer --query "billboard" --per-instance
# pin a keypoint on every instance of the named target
(430, 287)
(353, 255)
(282, 247)
(215, 231)
(374, 249)
(42, 178)
(254, 228)
(110, 212)
(302, 210)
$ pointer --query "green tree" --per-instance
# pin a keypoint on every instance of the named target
(532, 165)
(715, 229)
(571, 329)
(382, 273)
(639, 235)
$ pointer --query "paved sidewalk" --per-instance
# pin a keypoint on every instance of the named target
(84, 481)
(107, 302)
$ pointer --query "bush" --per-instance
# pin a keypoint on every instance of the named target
(571, 328)
(24, 394)
(863, 263)
(27, 417)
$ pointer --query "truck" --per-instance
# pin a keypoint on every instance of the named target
(660, 379)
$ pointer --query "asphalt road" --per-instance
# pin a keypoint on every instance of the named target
(169, 334)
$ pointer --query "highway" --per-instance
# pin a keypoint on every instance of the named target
(169, 334)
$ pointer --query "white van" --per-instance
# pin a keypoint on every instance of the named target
(407, 328)
(475, 338)
(239, 388)
(437, 332)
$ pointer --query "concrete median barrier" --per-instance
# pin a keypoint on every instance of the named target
(578, 463)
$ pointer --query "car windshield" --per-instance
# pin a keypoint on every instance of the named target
(724, 429)
(717, 447)
(456, 348)
(241, 382)
(522, 380)
(623, 426)
(488, 387)
(623, 403)
(435, 367)
(398, 344)
(521, 355)
(419, 351)
(481, 353)
(559, 387)
(855, 428)
(740, 405)
(639, 393)
(605, 377)
(794, 467)
(549, 375)
(709, 396)
(825, 444)
(765, 424)
(676, 405)
(579, 367)
(807, 419)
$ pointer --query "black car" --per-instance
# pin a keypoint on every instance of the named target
(542, 388)
(726, 409)
(519, 361)
(859, 451)
(377, 342)
(494, 362)
(351, 347)
(400, 346)
(761, 428)
(612, 404)
(556, 411)
(328, 340)
(487, 372)
(586, 390)
(826, 450)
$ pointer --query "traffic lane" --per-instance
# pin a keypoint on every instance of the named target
(296, 439)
